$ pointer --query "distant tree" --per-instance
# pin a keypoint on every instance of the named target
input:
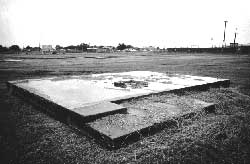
(129, 46)
(71, 47)
(58, 47)
(36, 49)
(3, 49)
(121, 46)
(28, 48)
(83, 47)
(14, 48)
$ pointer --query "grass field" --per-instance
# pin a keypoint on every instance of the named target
(29, 136)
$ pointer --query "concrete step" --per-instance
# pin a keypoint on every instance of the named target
(121, 129)
(98, 110)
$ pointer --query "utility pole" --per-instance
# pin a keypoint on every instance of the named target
(235, 34)
(224, 40)
(212, 41)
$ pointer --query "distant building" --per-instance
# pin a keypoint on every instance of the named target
(32, 50)
(72, 50)
(130, 50)
(61, 51)
(106, 49)
(149, 48)
(92, 49)
(47, 49)
(233, 44)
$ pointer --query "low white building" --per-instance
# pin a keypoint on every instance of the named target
(47, 49)
(130, 50)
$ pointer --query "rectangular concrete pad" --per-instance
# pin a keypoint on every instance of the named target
(87, 101)
(78, 91)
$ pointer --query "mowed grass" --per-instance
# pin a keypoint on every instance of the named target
(29, 136)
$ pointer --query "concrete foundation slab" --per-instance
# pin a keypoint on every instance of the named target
(78, 91)
(90, 102)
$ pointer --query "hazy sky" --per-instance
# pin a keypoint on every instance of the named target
(163, 23)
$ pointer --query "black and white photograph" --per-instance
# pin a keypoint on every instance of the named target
(124, 81)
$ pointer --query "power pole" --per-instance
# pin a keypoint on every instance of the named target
(224, 40)
(212, 41)
(235, 34)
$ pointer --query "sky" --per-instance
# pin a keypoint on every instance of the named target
(141, 23)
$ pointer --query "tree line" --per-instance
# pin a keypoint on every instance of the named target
(81, 47)
(11, 49)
